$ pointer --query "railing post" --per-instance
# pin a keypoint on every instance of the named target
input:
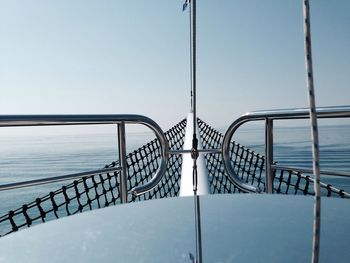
(122, 162)
(269, 155)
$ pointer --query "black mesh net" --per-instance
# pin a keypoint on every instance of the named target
(249, 165)
(102, 190)
(143, 163)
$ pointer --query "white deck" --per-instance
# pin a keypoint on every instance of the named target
(186, 184)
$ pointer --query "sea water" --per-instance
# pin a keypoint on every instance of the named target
(27, 156)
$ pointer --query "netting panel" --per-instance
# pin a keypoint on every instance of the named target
(102, 190)
(143, 163)
(249, 165)
(246, 163)
(80, 195)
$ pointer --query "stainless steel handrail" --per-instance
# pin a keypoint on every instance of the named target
(55, 179)
(269, 116)
(310, 171)
(212, 151)
(119, 119)
(304, 171)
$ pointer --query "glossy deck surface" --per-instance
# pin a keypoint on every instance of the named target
(235, 228)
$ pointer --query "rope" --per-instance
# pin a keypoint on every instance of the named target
(314, 134)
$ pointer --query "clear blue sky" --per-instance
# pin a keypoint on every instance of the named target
(116, 56)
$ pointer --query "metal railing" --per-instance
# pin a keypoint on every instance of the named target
(119, 120)
(269, 116)
(55, 179)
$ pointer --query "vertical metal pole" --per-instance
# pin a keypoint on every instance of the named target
(191, 78)
(195, 140)
(269, 155)
(122, 162)
(198, 229)
(194, 74)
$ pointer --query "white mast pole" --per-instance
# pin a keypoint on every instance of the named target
(195, 140)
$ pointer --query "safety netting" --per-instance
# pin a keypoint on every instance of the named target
(102, 190)
(250, 167)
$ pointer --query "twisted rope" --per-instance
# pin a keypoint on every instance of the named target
(314, 134)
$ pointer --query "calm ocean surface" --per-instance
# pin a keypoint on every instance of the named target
(24, 157)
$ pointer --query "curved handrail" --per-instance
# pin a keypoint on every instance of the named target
(164, 160)
(232, 175)
(269, 116)
(92, 119)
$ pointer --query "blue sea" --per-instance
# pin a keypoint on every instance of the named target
(28, 155)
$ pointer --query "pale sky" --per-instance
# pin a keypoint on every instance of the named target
(116, 56)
